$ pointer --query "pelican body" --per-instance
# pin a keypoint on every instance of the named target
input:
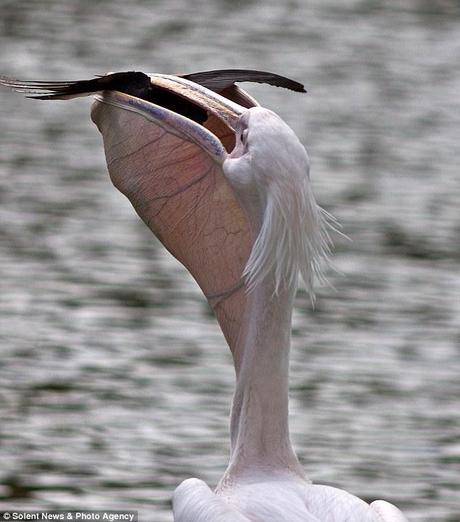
(224, 184)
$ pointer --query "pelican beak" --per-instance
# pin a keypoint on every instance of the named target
(221, 113)
(223, 108)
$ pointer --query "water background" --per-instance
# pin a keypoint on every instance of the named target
(115, 382)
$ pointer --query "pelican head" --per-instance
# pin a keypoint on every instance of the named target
(269, 171)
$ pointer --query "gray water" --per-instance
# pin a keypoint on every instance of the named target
(115, 380)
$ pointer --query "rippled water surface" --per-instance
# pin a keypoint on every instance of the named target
(115, 380)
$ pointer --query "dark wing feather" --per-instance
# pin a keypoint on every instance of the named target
(52, 90)
(131, 82)
(221, 79)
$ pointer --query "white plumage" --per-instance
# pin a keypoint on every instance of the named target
(269, 171)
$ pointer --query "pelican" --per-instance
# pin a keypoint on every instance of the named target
(224, 184)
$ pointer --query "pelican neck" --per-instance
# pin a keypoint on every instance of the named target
(259, 422)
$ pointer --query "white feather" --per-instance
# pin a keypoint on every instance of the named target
(294, 231)
(293, 239)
